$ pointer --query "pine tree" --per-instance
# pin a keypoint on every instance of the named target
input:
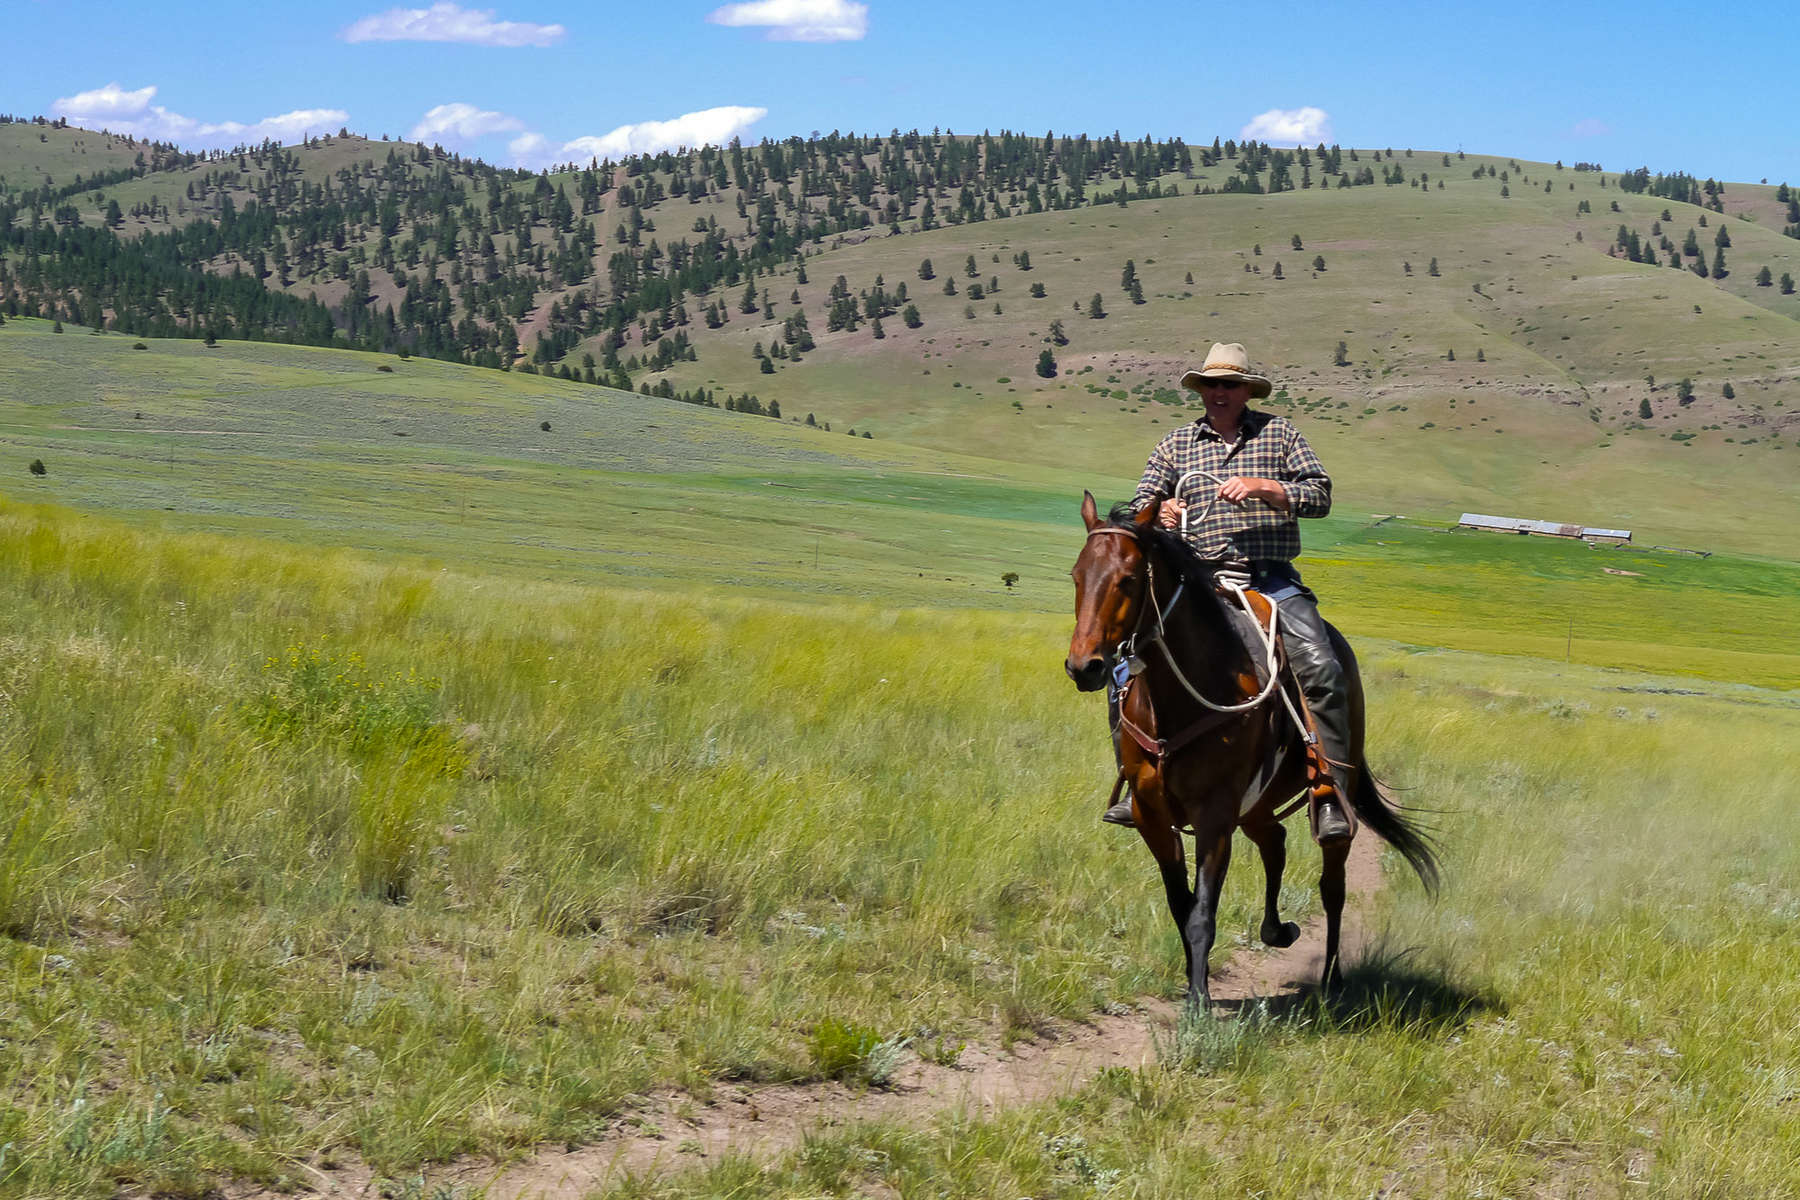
(1764, 277)
(1341, 356)
(1096, 310)
(1057, 335)
(1318, 262)
(1432, 270)
(925, 271)
(1046, 364)
(910, 315)
(1644, 409)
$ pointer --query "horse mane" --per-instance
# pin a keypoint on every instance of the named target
(1190, 568)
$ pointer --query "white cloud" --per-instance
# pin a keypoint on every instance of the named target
(799, 20)
(461, 123)
(111, 100)
(708, 127)
(446, 22)
(112, 107)
(530, 149)
(1592, 127)
(1289, 127)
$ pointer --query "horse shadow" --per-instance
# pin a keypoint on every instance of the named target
(1387, 988)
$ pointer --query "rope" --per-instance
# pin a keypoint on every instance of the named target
(1233, 582)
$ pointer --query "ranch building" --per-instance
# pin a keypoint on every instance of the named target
(1522, 525)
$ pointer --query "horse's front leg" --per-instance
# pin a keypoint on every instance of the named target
(1271, 842)
(1331, 895)
(1156, 826)
(1213, 846)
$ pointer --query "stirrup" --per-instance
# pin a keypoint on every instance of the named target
(1120, 814)
(1332, 826)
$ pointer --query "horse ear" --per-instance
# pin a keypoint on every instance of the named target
(1090, 512)
(1146, 516)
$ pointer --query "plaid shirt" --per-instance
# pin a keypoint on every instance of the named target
(1268, 448)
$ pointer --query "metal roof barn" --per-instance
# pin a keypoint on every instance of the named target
(1541, 528)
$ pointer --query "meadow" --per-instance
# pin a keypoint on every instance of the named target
(389, 779)
(300, 444)
(314, 859)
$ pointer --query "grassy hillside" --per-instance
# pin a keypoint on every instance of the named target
(1547, 423)
(1560, 344)
(449, 466)
(34, 155)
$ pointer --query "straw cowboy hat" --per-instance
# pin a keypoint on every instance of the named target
(1227, 360)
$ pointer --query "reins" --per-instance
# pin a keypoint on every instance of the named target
(1235, 583)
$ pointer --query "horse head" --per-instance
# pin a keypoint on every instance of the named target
(1112, 592)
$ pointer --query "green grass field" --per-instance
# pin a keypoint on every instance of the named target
(300, 444)
(407, 864)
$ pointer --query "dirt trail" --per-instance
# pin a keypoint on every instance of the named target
(672, 1131)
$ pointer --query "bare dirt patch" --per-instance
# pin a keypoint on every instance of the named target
(674, 1131)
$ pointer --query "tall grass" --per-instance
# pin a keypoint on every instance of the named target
(303, 857)
(1600, 1004)
(409, 864)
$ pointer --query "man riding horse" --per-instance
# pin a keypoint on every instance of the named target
(1266, 476)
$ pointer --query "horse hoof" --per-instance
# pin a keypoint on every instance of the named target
(1282, 935)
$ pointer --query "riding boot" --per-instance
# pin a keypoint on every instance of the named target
(1118, 811)
(1321, 676)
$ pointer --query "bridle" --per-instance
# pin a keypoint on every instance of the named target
(1126, 650)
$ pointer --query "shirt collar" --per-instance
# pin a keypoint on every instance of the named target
(1249, 425)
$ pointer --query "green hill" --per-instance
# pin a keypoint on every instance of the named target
(1501, 350)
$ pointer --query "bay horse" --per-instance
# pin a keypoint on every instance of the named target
(1210, 767)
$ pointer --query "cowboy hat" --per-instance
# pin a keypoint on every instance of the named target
(1227, 360)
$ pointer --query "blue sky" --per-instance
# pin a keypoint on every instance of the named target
(530, 82)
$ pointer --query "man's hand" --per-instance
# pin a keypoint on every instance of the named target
(1241, 489)
(1168, 513)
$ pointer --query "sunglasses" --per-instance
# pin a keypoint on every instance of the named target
(1225, 385)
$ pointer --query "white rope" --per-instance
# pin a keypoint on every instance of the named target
(1234, 582)
(1205, 512)
(1269, 644)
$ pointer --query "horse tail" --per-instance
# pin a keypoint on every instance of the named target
(1389, 821)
